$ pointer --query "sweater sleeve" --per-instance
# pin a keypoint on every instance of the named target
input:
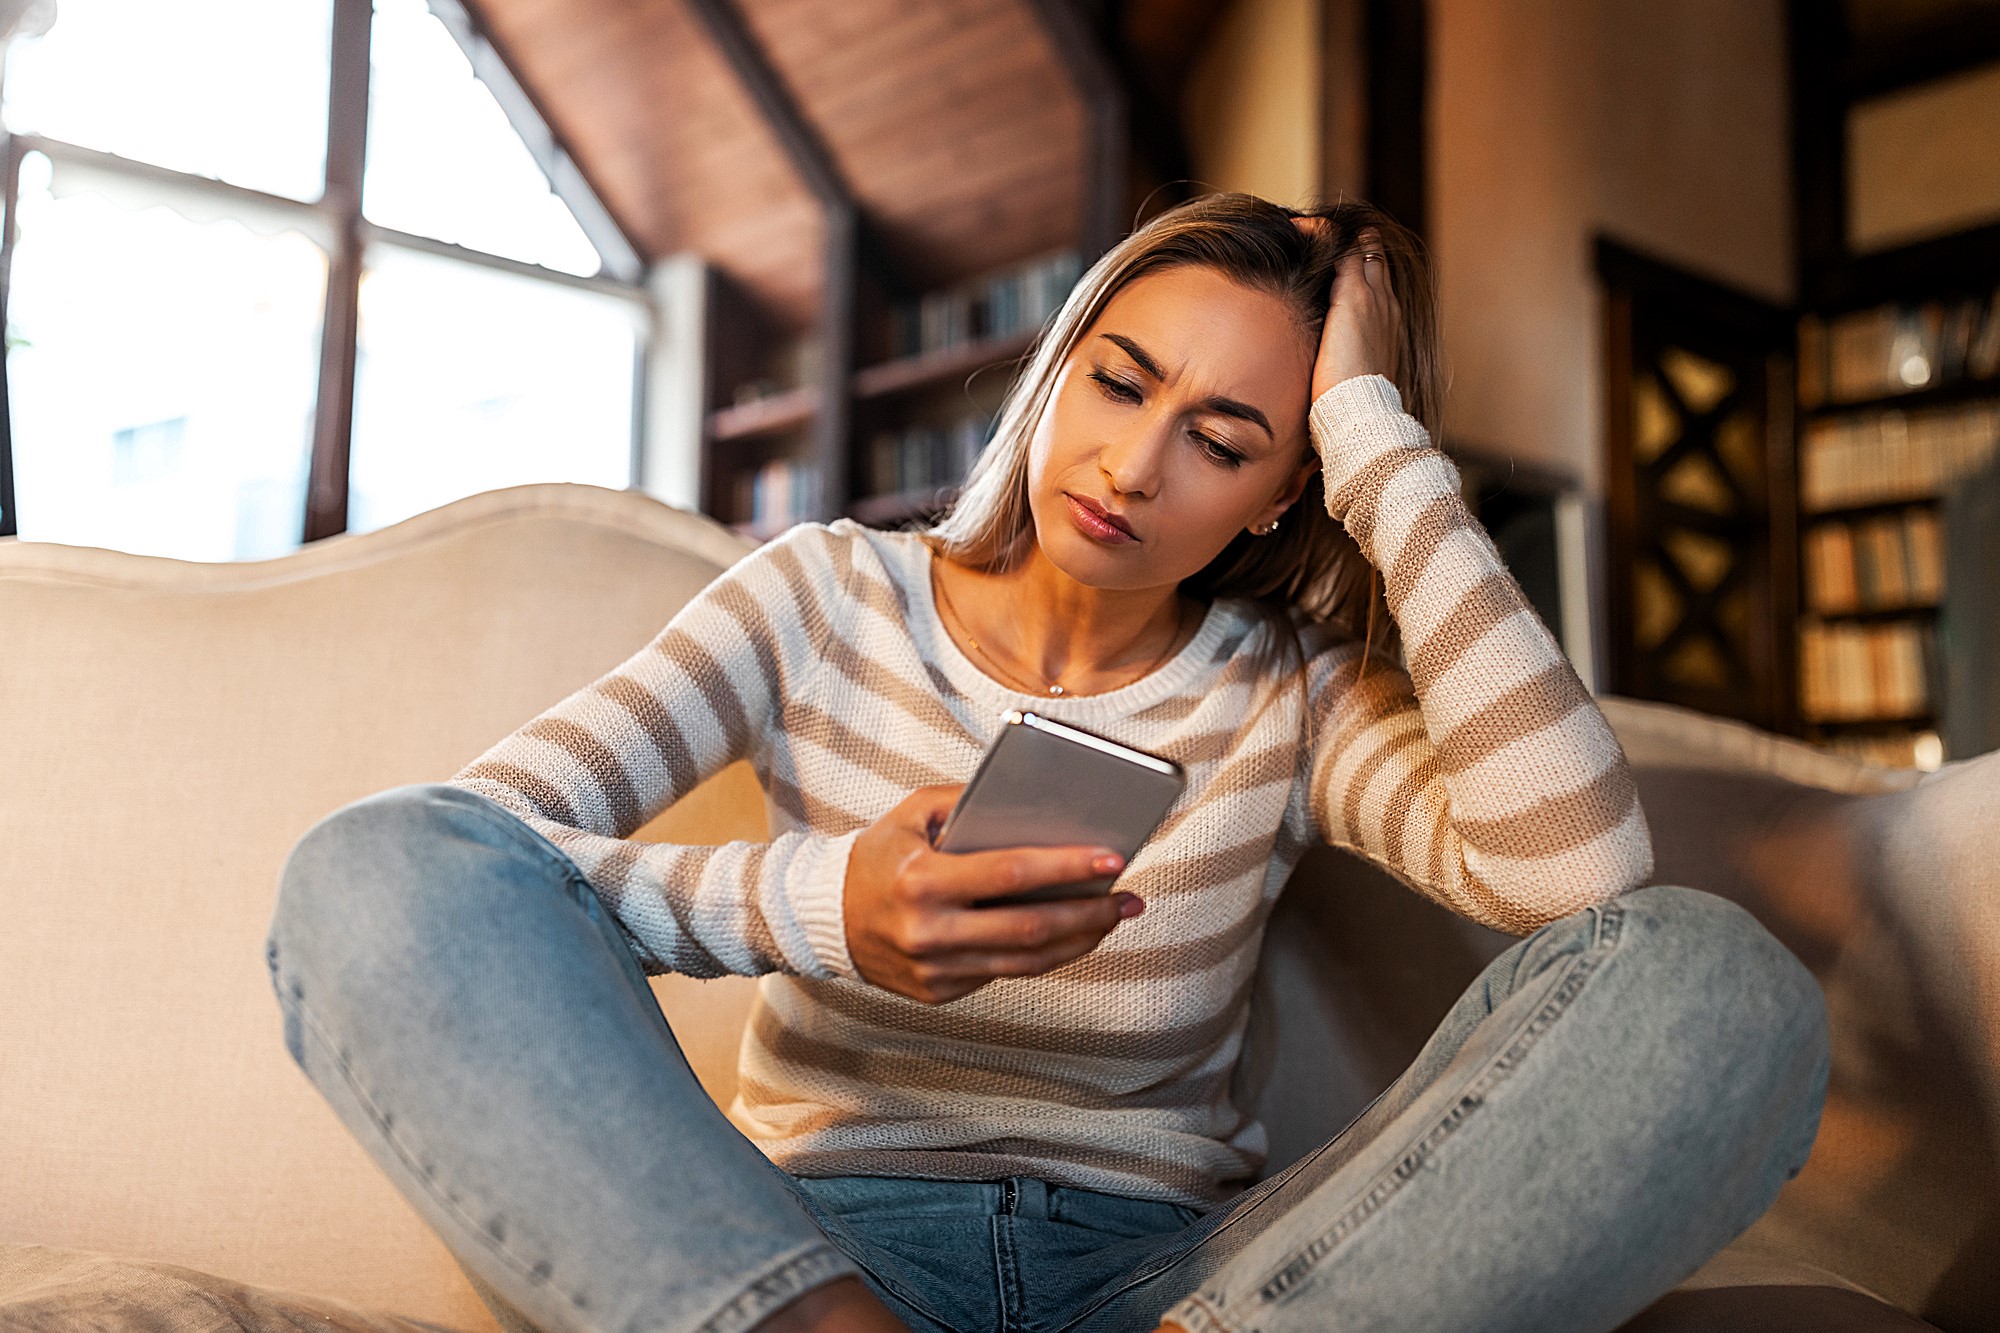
(703, 693)
(1484, 775)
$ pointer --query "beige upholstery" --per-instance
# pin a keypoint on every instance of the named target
(172, 728)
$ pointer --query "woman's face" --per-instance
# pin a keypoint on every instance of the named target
(1178, 421)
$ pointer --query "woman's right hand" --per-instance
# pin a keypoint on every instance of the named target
(911, 925)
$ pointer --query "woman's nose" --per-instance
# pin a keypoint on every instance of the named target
(1131, 461)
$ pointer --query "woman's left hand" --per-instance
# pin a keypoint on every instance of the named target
(1364, 322)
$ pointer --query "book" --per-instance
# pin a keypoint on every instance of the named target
(1892, 455)
(1897, 348)
(999, 304)
(776, 495)
(1923, 546)
(1861, 672)
(923, 456)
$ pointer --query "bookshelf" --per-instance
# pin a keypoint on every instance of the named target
(917, 409)
(1897, 402)
(1899, 405)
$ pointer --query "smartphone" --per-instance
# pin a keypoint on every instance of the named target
(1046, 784)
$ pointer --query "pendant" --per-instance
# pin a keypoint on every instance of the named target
(1057, 689)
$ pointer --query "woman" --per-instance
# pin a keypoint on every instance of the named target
(1019, 1117)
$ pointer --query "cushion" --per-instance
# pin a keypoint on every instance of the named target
(46, 1289)
(1772, 1310)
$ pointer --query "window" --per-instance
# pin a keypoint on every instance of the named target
(169, 83)
(443, 158)
(470, 380)
(193, 299)
(161, 372)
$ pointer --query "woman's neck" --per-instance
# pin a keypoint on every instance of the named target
(1044, 625)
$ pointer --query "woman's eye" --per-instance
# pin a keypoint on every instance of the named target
(1115, 387)
(1217, 450)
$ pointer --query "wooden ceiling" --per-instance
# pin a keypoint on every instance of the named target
(953, 122)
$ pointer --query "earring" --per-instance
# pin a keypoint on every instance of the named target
(1267, 529)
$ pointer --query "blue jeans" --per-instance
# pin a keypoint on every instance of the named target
(1611, 1101)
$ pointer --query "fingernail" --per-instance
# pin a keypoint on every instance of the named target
(1107, 864)
(1130, 905)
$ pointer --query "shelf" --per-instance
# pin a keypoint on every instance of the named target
(1908, 611)
(1943, 395)
(1863, 508)
(1912, 722)
(764, 416)
(900, 506)
(934, 368)
(1918, 54)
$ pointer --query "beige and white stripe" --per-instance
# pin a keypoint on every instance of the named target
(1484, 777)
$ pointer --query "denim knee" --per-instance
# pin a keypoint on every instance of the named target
(382, 866)
(1710, 974)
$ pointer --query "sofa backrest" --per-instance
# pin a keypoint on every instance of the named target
(169, 730)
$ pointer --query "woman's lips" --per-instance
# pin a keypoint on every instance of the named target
(1095, 524)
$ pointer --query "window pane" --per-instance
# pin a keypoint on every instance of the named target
(444, 160)
(232, 89)
(162, 374)
(471, 379)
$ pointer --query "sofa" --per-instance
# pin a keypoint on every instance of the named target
(171, 728)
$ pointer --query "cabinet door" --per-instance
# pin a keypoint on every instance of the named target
(1700, 503)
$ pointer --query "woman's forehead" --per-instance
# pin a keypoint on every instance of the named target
(1202, 326)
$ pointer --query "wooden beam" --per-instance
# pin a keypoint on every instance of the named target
(1343, 96)
(1397, 132)
(1103, 96)
(1374, 131)
(774, 101)
(346, 157)
(842, 221)
(1819, 147)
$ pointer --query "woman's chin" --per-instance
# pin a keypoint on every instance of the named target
(1096, 565)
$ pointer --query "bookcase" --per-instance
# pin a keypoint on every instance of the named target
(932, 367)
(1802, 501)
(1897, 338)
(1899, 408)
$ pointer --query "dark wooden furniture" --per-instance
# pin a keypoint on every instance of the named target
(1698, 493)
(1718, 558)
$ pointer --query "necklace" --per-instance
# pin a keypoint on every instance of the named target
(1050, 687)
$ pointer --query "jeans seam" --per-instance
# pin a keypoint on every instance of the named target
(1303, 1260)
(1224, 1216)
(1007, 1273)
(1206, 1320)
(790, 1279)
(539, 1274)
(491, 812)
(814, 1210)
(519, 831)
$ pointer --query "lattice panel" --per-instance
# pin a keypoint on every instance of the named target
(1689, 494)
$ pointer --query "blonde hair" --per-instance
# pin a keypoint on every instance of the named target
(1310, 565)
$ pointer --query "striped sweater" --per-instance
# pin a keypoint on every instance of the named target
(1484, 777)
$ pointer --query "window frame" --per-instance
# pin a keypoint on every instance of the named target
(335, 222)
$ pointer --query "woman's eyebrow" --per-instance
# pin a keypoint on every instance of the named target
(1228, 407)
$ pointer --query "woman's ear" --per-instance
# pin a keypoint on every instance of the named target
(1301, 474)
(1295, 486)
